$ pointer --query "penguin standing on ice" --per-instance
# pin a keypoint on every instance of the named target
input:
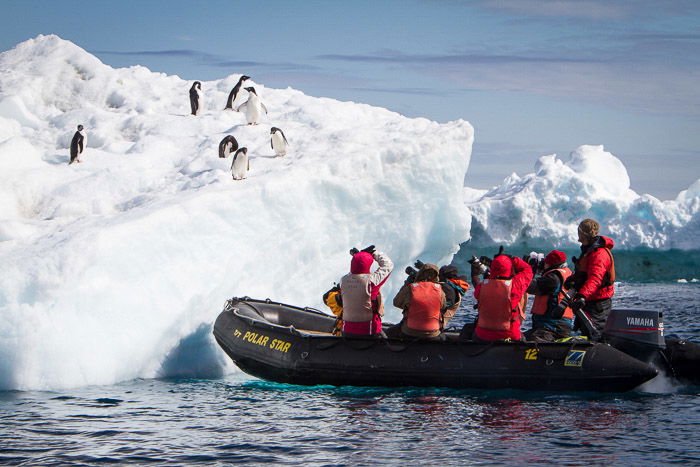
(234, 92)
(196, 97)
(77, 145)
(227, 146)
(253, 107)
(240, 164)
(278, 141)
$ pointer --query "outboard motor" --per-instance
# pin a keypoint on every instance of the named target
(639, 333)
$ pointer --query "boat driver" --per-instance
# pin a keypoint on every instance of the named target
(593, 278)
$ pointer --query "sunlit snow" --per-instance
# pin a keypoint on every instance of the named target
(116, 268)
(544, 208)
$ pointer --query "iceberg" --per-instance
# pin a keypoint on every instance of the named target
(544, 208)
(115, 268)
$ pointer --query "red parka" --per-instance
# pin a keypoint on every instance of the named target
(504, 267)
(596, 262)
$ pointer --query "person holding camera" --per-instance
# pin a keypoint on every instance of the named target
(360, 293)
(422, 301)
(454, 286)
(501, 298)
(594, 277)
(550, 321)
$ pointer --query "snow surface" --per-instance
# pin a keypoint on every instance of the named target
(115, 268)
(544, 208)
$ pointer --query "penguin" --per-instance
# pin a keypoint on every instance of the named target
(234, 92)
(196, 97)
(227, 146)
(240, 164)
(77, 145)
(253, 107)
(278, 141)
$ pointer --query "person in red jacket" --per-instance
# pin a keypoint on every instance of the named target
(501, 299)
(594, 277)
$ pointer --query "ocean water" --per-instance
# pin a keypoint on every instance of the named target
(239, 419)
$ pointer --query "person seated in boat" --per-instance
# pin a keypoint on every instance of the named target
(423, 302)
(593, 279)
(501, 299)
(360, 293)
(552, 319)
(333, 300)
(454, 286)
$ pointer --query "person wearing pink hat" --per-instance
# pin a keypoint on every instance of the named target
(501, 299)
(363, 307)
(550, 321)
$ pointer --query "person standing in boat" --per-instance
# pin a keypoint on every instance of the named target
(501, 299)
(360, 293)
(549, 320)
(422, 302)
(594, 277)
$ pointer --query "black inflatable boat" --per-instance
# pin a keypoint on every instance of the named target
(288, 344)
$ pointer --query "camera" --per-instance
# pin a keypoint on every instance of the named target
(370, 249)
(480, 265)
(411, 271)
(536, 261)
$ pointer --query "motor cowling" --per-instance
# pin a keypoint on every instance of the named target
(639, 333)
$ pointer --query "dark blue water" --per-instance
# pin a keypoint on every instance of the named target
(239, 419)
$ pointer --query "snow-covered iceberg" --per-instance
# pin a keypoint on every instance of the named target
(544, 208)
(115, 268)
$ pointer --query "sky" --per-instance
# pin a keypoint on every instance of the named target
(534, 77)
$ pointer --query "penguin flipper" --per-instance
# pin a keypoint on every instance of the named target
(263, 107)
(231, 98)
(242, 106)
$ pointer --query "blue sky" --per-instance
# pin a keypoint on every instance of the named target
(534, 77)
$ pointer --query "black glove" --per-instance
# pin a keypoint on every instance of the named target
(369, 249)
(578, 303)
(354, 251)
(569, 282)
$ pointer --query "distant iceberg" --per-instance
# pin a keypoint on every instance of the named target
(545, 207)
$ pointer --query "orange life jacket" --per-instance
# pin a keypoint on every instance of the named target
(495, 313)
(541, 303)
(424, 309)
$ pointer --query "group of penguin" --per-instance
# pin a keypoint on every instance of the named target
(253, 108)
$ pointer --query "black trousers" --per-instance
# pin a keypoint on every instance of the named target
(597, 311)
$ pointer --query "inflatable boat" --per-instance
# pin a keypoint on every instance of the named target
(289, 344)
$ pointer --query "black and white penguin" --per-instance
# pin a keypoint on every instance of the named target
(240, 164)
(77, 145)
(196, 97)
(278, 141)
(227, 146)
(234, 92)
(253, 107)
